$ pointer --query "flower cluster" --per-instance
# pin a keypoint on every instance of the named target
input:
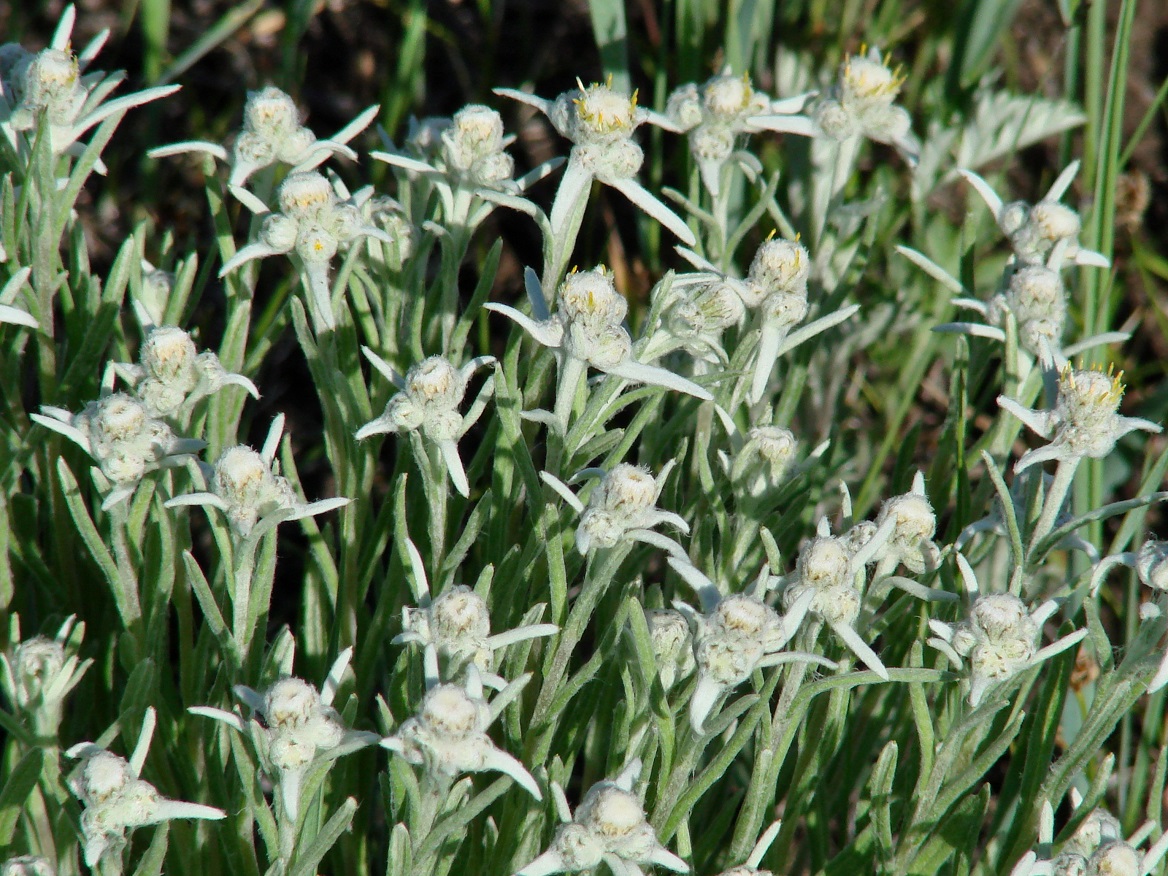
(247, 487)
(314, 222)
(300, 728)
(272, 133)
(999, 639)
(1046, 232)
(52, 84)
(125, 440)
(116, 800)
(1085, 420)
(718, 113)
(623, 506)
(587, 331)
(171, 375)
(860, 104)
(609, 825)
(430, 396)
(448, 736)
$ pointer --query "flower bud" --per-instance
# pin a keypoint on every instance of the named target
(711, 143)
(270, 113)
(865, 81)
(289, 702)
(1001, 616)
(279, 232)
(672, 643)
(684, 106)
(727, 97)
(781, 266)
(459, 617)
(36, 662)
(434, 381)
(591, 297)
(449, 711)
(835, 121)
(1115, 858)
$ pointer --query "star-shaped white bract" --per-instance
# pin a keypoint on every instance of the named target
(1085, 421)
(52, 83)
(123, 438)
(622, 507)
(116, 800)
(314, 221)
(1045, 231)
(300, 729)
(860, 104)
(720, 112)
(735, 635)
(430, 396)
(247, 487)
(999, 639)
(587, 331)
(600, 121)
(610, 827)
(448, 736)
(272, 134)
(172, 375)
(456, 625)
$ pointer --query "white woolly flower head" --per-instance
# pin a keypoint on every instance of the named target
(866, 80)
(731, 99)
(246, 483)
(448, 735)
(684, 106)
(914, 522)
(597, 114)
(270, 113)
(50, 81)
(1115, 858)
(116, 800)
(591, 298)
(168, 354)
(710, 309)
(472, 147)
(435, 381)
(781, 265)
(304, 195)
(36, 664)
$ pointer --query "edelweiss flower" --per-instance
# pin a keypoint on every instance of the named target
(171, 375)
(718, 113)
(272, 133)
(914, 524)
(117, 801)
(999, 639)
(600, 122)
(457, 625)
(51, 84)
(449, 734)
(828, 583)
(860, 104)
(1033, 294)
(247, 487)
(586, 330)
(41, 672)
(609, 826)
(123, 438)
(300, 730)
(1085, 421)
(1045, 232)
(431, 393)
(622, 506)
(737, 634)
(314, 221)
